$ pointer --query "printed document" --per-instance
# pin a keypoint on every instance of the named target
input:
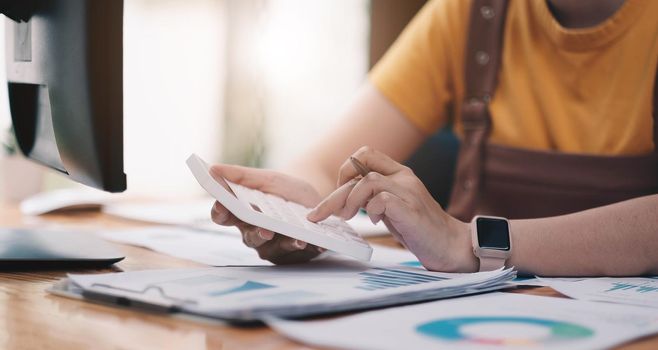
(642, 291)
(491, 321)
(251, 293)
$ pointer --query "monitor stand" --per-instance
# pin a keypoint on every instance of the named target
(34, 248)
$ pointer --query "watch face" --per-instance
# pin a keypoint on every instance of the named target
(493, 233)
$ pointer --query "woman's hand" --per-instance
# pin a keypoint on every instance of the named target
(392, 193)
(274, 247)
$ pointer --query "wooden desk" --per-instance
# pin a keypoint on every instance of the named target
(30, 318)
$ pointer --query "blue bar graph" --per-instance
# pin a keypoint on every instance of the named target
(383, 278)
(639, 288)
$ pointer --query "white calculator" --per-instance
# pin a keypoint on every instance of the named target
(278, 215)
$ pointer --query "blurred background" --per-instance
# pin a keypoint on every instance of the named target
(249, 82)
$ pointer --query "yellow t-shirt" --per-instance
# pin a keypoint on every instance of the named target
(571, 90)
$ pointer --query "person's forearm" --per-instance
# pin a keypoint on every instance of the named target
(372, 120)
(616, 240)
(310, 170)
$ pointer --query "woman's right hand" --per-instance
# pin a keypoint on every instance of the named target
(271, 246)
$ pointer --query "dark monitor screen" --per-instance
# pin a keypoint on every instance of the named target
(65, 82)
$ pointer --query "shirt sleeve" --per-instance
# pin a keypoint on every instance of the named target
(422, 72)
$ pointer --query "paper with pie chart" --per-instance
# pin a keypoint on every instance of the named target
(492, 321)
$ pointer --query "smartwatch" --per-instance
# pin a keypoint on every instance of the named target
(492, 241)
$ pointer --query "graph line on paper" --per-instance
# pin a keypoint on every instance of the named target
(391, 278)
(245, 287)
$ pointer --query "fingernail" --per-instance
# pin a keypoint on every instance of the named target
(311, 215)
(264, 236)
(299, 244)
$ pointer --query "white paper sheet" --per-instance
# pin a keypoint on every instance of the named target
(209, 248)
(537, 281)
(641, 291)
(492, 321)
(191, 213)
(224, 249)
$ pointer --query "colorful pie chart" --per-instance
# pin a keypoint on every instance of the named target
(504, 331)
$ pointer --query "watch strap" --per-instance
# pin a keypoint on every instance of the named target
(490, 258)
(490, 263)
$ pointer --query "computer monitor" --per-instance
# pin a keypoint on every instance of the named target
(65, 82)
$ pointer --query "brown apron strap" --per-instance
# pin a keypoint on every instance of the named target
(655, 113)
(483, 56)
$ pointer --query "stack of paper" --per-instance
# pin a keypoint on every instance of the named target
(252, 293)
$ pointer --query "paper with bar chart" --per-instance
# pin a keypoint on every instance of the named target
(641, 291)
(491, 321)
(249, 292)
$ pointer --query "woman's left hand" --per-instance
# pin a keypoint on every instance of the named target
(392, 193)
